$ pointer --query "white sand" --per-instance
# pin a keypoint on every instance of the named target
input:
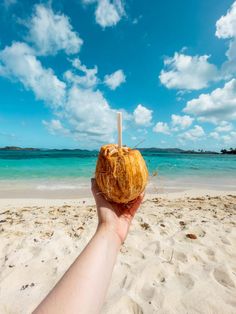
(159, 269)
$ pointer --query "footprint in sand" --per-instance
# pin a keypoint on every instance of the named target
(152, 249)
(125, 305)
(147, 292)
(199, 231)
(210, 254)
(225, 241)
(223, 278)
(181, 257)
(128, 282)
(134, 253)
(186, 280)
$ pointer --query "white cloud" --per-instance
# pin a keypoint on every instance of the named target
(89, 1)
(86, 117)
(193, 134)
(226, 138)
(89, 115)
(55, 126)
(215, 135)
(142, 115)
(80, 111)
(50, 32)
(87, 80)
(187, 72)
(219, 105)
(230, 139)
(220, 134)
(226, 29)
(115, 79)
(224, 127)
(161, 127)
(226, 25)
(18, 62)
(181, 121)
(107, 13)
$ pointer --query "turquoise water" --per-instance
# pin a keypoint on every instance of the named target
(25, 165)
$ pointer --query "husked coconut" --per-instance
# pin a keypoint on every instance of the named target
(121, 173)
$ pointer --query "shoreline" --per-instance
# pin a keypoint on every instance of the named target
(80, 188)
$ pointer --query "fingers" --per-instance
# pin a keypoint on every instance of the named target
(118, 208)
(97, 194)
(131, 210)
(94, 188)
(136, 205)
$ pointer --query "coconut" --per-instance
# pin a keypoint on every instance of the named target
(121, 173)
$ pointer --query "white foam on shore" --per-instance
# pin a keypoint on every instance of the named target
(57, 187)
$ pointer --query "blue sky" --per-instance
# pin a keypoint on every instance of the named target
(67, 67)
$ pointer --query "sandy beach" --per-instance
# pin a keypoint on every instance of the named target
(179, 257)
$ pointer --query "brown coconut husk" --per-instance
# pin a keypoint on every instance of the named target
(121, 174)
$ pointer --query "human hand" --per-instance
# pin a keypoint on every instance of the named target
(113, 216)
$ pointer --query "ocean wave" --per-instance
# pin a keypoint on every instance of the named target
(57, 187)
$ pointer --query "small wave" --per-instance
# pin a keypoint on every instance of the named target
(57, 187)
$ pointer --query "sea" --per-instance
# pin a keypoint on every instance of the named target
(67, 173)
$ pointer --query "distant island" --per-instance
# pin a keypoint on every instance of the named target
(231, 151)
(16, 148)
(144, 150)
(19, 148)
(176, 150)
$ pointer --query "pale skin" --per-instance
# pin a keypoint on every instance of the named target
(83, 287)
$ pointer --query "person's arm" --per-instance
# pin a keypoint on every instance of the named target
(83, 287)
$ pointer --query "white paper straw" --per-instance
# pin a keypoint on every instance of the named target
(119, 127)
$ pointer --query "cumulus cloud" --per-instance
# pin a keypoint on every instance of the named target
(187, 72)
(142, 115)
(80, 109)
(87, 79)
(50, 32)
(233, 137)
(18, 62)
(193, 134)
(226, 29)
(108, 13)
(161, 127)
(226, 25)
(215, 135)
(85, 116)
(115, 79)
(216, 106)
(55, 127)
(89, 115)
(86, 111)
(225, 139)
(224, 126)
(182, 122)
